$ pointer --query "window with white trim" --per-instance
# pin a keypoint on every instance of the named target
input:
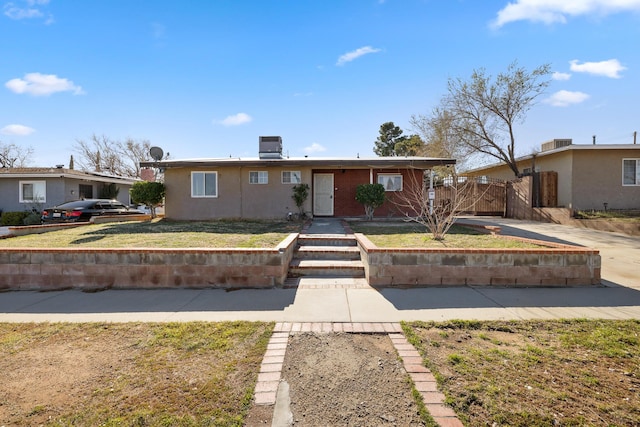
(33, 191)
(291, 177)
(204, 184)
(258, 177)
(630, 171)
(391, 182)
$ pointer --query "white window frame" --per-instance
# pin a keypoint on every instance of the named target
(383, 178)
(258, 177)
(203, 183)
(637, 174)
(292, 177)
(39, 191)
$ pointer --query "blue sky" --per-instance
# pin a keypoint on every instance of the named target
(207, 78)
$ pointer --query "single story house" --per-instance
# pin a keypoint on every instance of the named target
(262, 187)
(37, 188)
(588, 175)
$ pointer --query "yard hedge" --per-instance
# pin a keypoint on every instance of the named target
(13, 218)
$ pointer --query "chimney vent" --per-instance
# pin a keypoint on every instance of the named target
(270, 147)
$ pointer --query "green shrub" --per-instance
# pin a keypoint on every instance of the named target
(300, 194)
(32, 219)
(13, 218)
(148, 193)
(372, 196)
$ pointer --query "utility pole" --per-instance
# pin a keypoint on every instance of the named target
(432, 193)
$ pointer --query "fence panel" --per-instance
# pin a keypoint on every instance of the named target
(479, 195)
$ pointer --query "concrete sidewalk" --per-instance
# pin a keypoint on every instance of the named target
(352, 300)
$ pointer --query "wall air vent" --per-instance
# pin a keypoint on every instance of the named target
(270, 147)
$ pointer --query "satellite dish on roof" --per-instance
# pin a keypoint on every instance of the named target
(156, 153)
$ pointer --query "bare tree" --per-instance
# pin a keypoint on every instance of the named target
(485, 110)
(437, 215)
(121, 158)
(13, 156)
(441, 139)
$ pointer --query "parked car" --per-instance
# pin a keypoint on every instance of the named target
(83, 210)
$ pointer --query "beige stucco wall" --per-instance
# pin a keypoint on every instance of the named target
(237, 198)
(597, 178)
(586, 178)
(562, 163)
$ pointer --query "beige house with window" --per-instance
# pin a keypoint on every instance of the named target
(588, 176)
(262, 187)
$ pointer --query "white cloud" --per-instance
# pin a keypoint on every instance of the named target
(610, 68)
(17, 130)
(158, 30)
(355, 54)
(557, 11)
(314, 148)
(27, 9)
(560, 76)
(236, 119)
(564, 98)
(37, 84)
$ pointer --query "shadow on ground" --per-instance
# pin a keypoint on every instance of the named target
(160, 300)
(466, 297)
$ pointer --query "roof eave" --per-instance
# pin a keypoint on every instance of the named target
(327, 163)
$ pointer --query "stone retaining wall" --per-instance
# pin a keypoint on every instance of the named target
(96, 269)
(557, 265)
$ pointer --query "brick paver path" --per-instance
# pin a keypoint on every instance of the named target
(423, 379)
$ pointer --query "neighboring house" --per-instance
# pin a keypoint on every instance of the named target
(262, 187)
(37, 188)
(588, 176)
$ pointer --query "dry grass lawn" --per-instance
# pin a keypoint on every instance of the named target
(163, 234)
(536, 373)
(142, 374)
(411, 235)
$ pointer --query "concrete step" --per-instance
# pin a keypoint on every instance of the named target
(326, 268)
(328, 252)
(326, 240)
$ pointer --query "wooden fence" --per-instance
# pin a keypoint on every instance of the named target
(477, 195)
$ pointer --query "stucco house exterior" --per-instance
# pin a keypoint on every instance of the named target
(262, 187)
(588, 175)
(35, 188)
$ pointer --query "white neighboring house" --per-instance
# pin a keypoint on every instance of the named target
(37, 188)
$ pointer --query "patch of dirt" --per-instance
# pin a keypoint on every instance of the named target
(128, 374)
(347, 379)
(55, 372)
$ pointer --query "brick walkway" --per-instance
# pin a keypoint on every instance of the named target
(423, 379)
